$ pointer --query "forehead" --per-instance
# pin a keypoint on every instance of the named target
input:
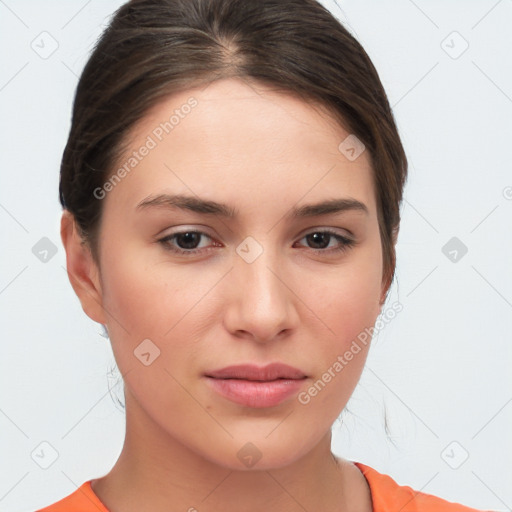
(243, 144)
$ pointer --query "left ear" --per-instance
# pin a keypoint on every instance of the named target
(386, 283)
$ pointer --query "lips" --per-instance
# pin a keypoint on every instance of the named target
(267, 373)
(256, 387)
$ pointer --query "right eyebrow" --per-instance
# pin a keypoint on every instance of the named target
(184, 202)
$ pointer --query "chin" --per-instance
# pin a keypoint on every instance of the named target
(261, 454)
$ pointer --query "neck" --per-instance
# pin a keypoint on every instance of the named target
(156, 472)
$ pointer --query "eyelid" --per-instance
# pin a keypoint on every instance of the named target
(186, 229)
(333, 230)
(345, 242)
(183, 228)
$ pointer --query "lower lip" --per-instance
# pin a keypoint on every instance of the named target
(256, 393)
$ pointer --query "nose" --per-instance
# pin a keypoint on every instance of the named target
(262, 306)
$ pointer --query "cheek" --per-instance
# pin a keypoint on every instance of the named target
(346, 298)
(142, 292)
(345, 303)
(158, 301)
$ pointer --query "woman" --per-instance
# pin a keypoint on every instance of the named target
(231, 189)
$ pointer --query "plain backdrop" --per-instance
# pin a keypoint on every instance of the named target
(439, 374)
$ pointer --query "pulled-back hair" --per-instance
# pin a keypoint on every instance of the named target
(154, 48)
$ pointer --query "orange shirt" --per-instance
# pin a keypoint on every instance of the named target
(387, 496)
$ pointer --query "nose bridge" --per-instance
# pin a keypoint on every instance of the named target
(263, 301)
(255, 261)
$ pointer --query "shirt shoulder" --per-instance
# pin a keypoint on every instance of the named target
(388, 496)
(81, 500)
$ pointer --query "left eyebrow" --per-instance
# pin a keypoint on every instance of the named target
(329, 207)
(207, 207)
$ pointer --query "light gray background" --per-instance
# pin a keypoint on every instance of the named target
(441, 368)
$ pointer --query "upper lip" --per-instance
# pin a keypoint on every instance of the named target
(252, 372)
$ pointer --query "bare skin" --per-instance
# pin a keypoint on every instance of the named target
(300, 302)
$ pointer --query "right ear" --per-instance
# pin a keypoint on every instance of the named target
(82, 270)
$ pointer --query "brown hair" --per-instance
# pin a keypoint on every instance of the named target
(154, 48)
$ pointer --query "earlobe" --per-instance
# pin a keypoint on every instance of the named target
(388, 279)
(82, 270)
(381, 302)
(386, 283)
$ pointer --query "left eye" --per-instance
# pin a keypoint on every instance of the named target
(188, 242)
(324, 238)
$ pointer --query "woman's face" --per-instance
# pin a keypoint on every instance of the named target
(257, 287)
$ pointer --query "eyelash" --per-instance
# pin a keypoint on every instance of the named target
(345, 243)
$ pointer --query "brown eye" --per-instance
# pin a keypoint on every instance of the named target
(319, 241)
(184, 242)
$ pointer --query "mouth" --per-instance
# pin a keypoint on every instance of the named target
(257, 387)
(271, 372)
